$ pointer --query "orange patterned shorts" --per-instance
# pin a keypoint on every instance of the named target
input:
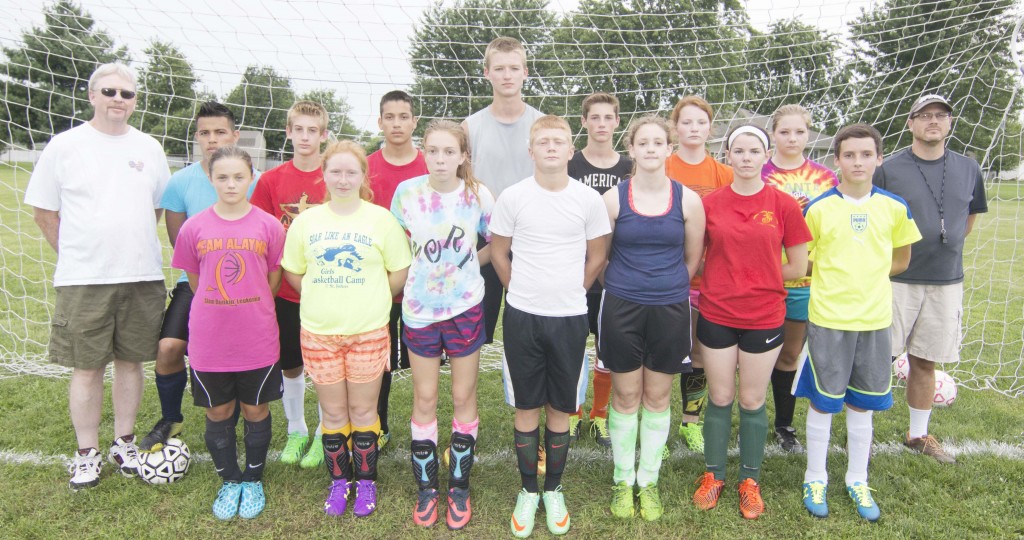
(359, 358)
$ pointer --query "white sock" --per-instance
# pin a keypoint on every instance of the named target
(819, 430)
(858, 445)
(919, 422)
(294, 401)
(320, 424)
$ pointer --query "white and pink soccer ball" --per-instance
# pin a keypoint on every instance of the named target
(945, 385)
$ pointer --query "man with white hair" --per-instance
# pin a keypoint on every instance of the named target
(95, 192)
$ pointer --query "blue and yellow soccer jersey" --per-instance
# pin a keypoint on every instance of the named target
(852, 254)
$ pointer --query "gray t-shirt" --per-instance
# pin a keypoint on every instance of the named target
(501, 152)
(919, 182)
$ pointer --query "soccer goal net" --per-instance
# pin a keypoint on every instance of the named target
(844, 60)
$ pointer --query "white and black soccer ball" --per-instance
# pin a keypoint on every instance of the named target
(166, 465)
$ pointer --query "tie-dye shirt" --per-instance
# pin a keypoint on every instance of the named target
(805, 183)
(444, 279)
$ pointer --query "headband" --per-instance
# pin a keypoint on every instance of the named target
(749, 130)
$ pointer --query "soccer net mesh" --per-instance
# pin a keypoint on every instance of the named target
(845, 60)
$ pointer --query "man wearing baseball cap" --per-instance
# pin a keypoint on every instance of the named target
(945, 192)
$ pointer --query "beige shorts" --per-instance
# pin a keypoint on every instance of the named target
(359, 358)
(94, 324)
(926, 320)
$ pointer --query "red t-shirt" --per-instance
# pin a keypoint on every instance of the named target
(284, 192)
(742, 285)
(385, 177)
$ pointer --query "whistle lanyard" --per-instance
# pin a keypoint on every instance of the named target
(942, 195)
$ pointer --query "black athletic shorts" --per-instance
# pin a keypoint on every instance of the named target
(175, 323)
(544, 360)
(253, 387)
(639, 335)
(717, 336)
(288, 325)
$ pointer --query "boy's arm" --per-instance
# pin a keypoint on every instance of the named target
(483, 256)
(294, 280)
(597, 256)
(274, 279)
(49, 224)
(900, 260)
(174, 221)
(501, 246)
(193, 281)
(970, 224)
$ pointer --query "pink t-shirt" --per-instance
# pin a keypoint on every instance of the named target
(232, 326)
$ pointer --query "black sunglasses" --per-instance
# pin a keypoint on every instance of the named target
(111, 92)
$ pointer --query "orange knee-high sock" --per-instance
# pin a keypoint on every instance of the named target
(602, 392)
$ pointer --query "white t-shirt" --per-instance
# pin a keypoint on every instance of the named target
(106, 189)
(549, 232)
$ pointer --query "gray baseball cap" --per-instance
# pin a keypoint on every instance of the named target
(928, 99)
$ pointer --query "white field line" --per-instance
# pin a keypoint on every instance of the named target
(963, 449)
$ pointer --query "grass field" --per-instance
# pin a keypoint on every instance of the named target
(977, 498)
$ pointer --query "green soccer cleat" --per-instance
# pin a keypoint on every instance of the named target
(599, 430)
(557, 513)
(292, 452)
(622, 501)
(525, 514)
(650, 503)
(693, 435)
(575, 425)
(383, 439)
(315, 456)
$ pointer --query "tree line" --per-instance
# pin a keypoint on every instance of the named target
(647, 52)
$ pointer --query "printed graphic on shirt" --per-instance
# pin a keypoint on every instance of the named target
(766, 217)
(339, 258)
(290, 210)
(230, 269)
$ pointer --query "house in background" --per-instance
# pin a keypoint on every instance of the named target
(819, 145)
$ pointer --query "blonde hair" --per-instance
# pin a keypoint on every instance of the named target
(792, 109)
(550, 121)
(695, 101)
(503, 44)
(465, 171)
(349, 147)
(308, 108)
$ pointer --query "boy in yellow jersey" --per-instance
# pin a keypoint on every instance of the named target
(862, 235)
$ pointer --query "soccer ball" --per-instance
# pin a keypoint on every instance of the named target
(945, 389)
(166, 465)
(901, 365)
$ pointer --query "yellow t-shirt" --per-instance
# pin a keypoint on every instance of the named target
(852, 254)
(345, 262)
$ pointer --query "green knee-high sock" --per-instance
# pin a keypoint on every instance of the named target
(622, 430)
(753, 430)
(654, 428)
(717, 429)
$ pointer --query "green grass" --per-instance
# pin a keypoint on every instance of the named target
(919, 498)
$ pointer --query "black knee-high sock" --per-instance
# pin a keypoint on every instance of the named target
(382, 401)
(364, 455)
(526, 453)
(556, 446)
(782, 392)
(336, 456)
(220, 441)
(170, 389)
(257, 442)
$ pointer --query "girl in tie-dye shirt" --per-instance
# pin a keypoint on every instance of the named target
(443, 213)
(804, 179)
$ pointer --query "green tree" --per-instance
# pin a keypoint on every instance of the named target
(651, 52)
(797, 63)
(260, 102)
(46, 76)
(448, 49)
(167, 97)
(958, 48)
